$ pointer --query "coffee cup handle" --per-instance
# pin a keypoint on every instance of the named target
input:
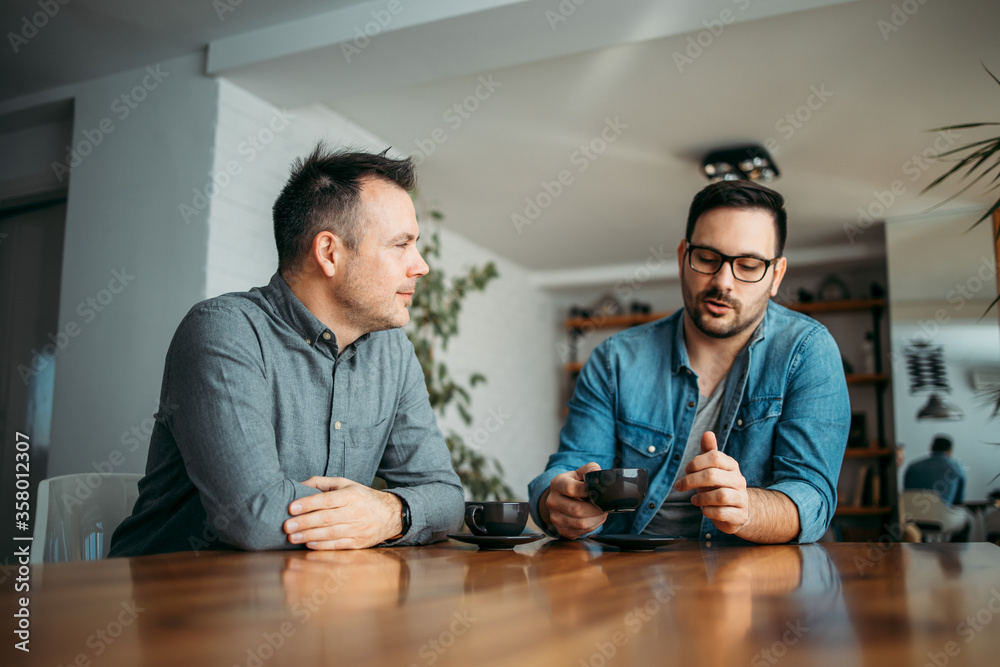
(470, 519)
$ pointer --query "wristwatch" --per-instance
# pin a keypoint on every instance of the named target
(404, 515)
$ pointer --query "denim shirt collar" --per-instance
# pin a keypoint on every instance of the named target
(295, 314)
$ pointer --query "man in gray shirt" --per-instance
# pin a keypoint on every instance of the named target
(283, 403)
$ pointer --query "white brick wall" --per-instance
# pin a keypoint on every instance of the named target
(508, 333)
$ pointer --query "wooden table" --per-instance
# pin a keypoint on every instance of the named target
(547, 603)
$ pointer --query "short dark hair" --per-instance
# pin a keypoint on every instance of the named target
(324, 194)
(745, 195)
(941, 444)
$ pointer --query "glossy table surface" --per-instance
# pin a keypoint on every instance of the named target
(545, 603)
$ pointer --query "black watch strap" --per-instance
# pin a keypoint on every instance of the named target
(405, 516)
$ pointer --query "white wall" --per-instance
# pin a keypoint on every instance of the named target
(143, 154)
(507, 333)
(932, 261)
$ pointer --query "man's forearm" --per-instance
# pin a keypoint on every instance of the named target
(773, 518)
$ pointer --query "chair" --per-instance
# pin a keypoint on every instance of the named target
(936, 519)
(77, 514)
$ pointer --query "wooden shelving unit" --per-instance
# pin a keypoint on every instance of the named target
(872, 452)
(612, 321)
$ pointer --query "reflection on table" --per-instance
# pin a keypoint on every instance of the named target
(546, 603)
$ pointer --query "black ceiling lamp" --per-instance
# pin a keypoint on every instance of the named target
(748, 163)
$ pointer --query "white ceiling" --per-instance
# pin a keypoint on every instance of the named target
(560, 82)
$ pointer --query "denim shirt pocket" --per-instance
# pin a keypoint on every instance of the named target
(754, 424)
(640, 446)
(365, 444)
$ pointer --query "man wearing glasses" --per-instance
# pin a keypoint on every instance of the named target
(736, 406)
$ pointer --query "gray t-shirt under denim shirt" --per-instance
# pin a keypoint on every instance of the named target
(677, 516)
(257, 398)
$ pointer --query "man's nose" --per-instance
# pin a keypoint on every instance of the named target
(419, 267)
(724, 278)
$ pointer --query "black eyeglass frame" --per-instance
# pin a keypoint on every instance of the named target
(729, 259)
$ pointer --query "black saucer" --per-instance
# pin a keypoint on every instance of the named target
(494, 542)
(635, 542)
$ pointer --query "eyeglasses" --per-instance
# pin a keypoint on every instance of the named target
(745, 269)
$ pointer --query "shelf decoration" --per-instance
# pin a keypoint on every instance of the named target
(929, 375)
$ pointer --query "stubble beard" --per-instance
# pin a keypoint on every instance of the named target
(742, 316)
(366, 307)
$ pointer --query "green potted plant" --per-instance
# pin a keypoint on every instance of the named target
(976, 161)
(434, 315)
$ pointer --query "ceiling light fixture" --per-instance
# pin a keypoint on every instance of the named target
(748, 163)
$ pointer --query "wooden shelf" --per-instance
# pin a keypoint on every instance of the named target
(847, 510)
(574, 366)
(612, 321)
(847, 305)
(866, 453)
(866, 378)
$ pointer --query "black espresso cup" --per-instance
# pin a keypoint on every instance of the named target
(497, 519)
(616, 489)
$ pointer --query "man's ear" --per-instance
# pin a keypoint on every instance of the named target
(681, 249)
(328, 253)
(779, 273)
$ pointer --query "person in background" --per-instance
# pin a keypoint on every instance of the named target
(941, 474)
(938, 473)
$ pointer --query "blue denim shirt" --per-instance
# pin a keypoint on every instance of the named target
(938, 473)
(785, 416)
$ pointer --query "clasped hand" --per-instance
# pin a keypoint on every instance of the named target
(345, 515)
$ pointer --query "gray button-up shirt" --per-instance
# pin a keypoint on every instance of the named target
(257, 399)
